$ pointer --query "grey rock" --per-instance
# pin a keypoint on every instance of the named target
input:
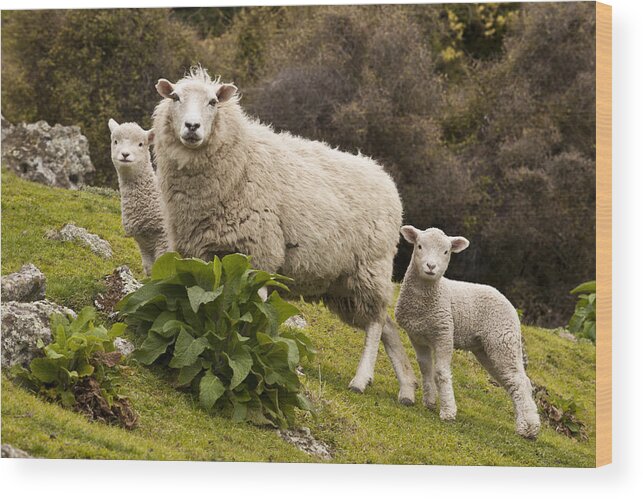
(304, 441)
(71, 232)
(11, 452)
(297, 322)
(28, 284)
(119, 283)
(123, 346)
(56, 156)
(563, 333)
(23, 324)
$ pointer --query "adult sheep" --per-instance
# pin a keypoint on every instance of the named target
(325, 218)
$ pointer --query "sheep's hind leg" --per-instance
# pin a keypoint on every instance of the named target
(366, 366)
(401, 364)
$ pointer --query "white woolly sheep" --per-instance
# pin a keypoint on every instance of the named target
(327, 219)
(140, 197)
(440, 314)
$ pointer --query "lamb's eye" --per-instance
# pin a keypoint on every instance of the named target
(175, 97)
(419, 246)
(213, 102)
(115, 142)
(140, 144)
(446, 252)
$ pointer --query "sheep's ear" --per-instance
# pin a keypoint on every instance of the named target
(150, 136)
(459, 244)
(410, 233)
(112, 125)
(165, 88)
(225, 92)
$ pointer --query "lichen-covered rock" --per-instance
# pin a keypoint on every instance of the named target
(304, 441)
(52, 155)
(123, 346)
(11, 452)
(297, 322)
(23, 324)
(72, 233)
(119, 283)
(28, 284)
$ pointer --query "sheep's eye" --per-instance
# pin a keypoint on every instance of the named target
(213, 102)
(115, 142)
(419, 246)
(140, 144)
(446, 252)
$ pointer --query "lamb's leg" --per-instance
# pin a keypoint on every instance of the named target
(401, 364)
(511, 375)
(443, 351)
(366, 366)
(147, 258)
(429, 388)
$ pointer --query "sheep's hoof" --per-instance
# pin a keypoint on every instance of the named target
(406, 396)
(406, 401)
(528, 430)
(447, 416)
(431, 405)
(358, 386)
(355, 389)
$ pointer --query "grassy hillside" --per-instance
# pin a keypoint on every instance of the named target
(371, 428)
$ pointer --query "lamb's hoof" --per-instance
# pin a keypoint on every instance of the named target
(358, 386)
(528, 430)
(406, 396)
(430, 404)
(447, 415)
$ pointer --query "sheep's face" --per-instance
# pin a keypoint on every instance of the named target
(194, 107)
(130, 146)
(432, 250)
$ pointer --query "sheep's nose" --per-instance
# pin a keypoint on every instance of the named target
(125, 155)
(193, 127)
(431, 266)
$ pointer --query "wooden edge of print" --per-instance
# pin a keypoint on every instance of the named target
(603, 234)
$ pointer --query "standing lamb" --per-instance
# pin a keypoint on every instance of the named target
(140, 197)
(440, 314)
(327, 219)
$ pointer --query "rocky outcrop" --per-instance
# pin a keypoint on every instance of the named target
(72, 233)
(51, 155)
(123, 346)
(23, 324)
(28, 284)
(304, 441)
(119, 283)
(11, 452)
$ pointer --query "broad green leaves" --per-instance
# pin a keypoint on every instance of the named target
(207, 322)
(583, 322)
(78, 351)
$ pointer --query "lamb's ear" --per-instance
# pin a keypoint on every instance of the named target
(459, 244)
(165, 88)
(112, 125)
(150, 136)
(410, 233)
(225, 92)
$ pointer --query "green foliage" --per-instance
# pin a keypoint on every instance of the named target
(80, 349)
(583, 322)
(207, 322)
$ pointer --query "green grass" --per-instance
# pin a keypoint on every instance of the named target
(369, 428)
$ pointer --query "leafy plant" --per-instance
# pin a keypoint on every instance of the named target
(207, 322)
(560, 412)
(583, 322)
(79, 368)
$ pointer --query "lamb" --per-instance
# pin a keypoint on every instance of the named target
(440, 314)
(325, 218)
(140, 197)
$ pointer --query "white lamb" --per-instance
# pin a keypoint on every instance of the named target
(140, 197)
(440, 314)
(327, 219)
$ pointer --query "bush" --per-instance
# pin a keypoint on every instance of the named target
(81, 67)
(207, 323)
(80, 369)
(583, 322)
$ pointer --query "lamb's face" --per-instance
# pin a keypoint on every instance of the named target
(194, 107)
(130, 145)
(432, 250)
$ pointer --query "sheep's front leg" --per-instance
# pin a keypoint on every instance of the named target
(443, 352)
(366, 366)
